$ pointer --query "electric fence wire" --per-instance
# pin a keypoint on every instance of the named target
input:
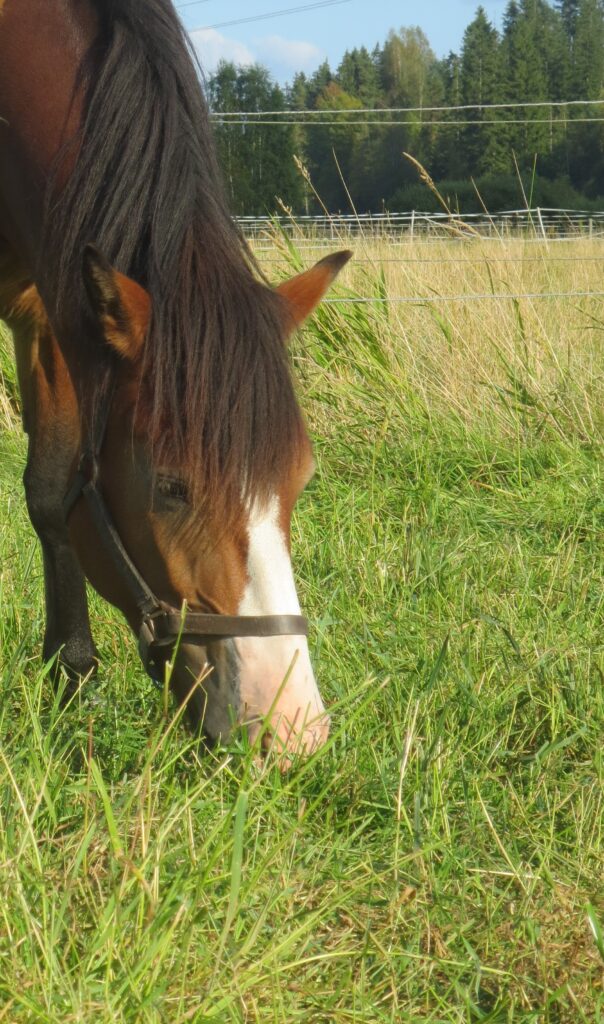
(420, 110)
(496, 122)
(479, 261)
(425, 300)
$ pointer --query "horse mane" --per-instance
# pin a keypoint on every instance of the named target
(146, 189)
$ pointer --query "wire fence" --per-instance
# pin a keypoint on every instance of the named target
(486, 259)
(535, 224)
(427, 300)
(383, 122)
(406, 235)
(386, 111)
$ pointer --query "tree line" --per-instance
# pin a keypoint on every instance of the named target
(496, 158)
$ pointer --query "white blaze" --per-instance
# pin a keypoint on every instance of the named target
(298, 714)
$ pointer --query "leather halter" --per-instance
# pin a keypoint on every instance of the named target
(162, 625)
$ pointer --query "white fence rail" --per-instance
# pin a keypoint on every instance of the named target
(539, 222)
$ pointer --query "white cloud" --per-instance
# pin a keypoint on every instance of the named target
(283, 57)
(213, 47)
(288, 55)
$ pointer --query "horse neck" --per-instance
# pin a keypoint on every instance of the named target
(42, 44)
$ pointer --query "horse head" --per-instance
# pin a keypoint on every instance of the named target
(194, 556)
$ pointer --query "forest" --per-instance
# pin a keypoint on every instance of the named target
(493, 158)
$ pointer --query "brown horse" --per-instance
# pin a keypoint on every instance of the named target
(166, 447)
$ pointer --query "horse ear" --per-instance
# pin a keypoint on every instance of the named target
(121, 306)
(304, 292)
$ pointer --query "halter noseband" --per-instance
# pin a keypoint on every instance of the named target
(161, 624)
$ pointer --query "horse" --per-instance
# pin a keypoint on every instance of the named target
(166, 447)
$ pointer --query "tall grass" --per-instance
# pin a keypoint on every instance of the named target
(442, 858)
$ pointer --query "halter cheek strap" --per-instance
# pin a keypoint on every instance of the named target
(161, 624)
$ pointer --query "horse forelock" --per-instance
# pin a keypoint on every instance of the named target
(147, 191)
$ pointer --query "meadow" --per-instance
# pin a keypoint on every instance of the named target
(442, 858)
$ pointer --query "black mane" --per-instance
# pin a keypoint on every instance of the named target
(147, 191)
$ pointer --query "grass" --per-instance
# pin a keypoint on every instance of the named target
(442, 859)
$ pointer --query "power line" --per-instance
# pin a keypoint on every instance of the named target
(273, 14)
(417, 110)
(191, 3)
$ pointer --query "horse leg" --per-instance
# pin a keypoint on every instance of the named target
(50, 418)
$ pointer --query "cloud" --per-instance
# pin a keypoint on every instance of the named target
(283, 57)
(287, 55)
(213, 47)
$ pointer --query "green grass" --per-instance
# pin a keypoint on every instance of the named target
(442, 860)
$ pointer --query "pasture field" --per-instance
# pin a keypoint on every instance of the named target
(442, 859)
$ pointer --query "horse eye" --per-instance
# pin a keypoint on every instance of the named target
(171, 487)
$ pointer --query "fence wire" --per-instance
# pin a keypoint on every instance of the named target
(476, 262)
(431, 299)
(407, 234)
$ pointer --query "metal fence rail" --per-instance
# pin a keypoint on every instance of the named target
(538, 222)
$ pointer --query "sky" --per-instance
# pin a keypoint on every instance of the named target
(301, 41)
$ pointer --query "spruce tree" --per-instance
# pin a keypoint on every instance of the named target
(526, 78)
(297, 93)
(358, 75)
(585, 143)
(569, 10)
(257, 159)
(329, 148)
(481, 83)
(450, 158)
(317, 83)
(588, 51)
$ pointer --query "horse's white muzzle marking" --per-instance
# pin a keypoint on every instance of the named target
(275, 676)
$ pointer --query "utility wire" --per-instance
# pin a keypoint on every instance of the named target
(191, 3)
(272, 14)
(419, 110)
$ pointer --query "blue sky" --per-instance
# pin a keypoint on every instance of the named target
(301, 41)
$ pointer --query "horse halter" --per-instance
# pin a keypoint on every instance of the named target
(162, 625)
